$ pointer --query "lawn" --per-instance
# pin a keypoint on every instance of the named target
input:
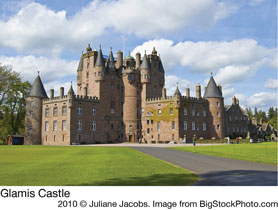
(258, 152)
(78, 165)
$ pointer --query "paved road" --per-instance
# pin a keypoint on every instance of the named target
(217, 171)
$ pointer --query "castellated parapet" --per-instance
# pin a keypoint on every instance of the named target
(122, 100)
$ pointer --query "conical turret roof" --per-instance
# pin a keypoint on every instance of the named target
(212, 90)
(111, 57)
(80, 65)
(99, 61)
(71, 90)
(177, 92)
(145, 63)
(37, 89)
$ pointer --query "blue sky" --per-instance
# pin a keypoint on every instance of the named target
(236, 40)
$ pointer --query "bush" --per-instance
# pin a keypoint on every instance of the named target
(2, 142)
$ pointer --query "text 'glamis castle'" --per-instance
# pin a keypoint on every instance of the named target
(124, 100)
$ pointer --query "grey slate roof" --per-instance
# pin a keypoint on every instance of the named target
(37, 89)
(111, 57)
(80, 65)
(71, 90)
(212, 90)
(100, 61)
(160, 67)
(145, 63)
(177, 92)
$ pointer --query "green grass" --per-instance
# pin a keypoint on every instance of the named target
(259, 152)
(53, 166)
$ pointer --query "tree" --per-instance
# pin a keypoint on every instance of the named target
(13, 93)
(271, 113)
(250, 113)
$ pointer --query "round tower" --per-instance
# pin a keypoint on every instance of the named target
(145, 70)
(132, 103)
(216, 124)
(33, 116)
(99, 67)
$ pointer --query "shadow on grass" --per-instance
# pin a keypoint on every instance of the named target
(238, 178)
(153, 180)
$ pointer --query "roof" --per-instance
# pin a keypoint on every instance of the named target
(80, 65)
(177, 92)
(145, 63)
(111, 57)
(129, 57)
(71, 90)
(212, 90)
(37, 89)
(160, 66)
(99, 61)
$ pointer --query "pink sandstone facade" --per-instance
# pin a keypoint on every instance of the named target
(124, 100)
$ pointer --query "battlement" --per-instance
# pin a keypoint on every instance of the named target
(202, 100)
(160, 99)
(184, 98)
(76, 97)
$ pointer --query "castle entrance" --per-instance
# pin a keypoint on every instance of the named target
(130, 138)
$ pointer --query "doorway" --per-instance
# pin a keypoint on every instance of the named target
(130, 138)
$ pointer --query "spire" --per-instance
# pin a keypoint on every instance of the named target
(111, 61)
(145, 63)
(177, 92)
(71, 92)
(37, 89)
(100, 61)
(212, 91)
(80, 65)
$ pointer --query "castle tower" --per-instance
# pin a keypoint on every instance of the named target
(33, 116)
(99, 67)
(216, 110)
(79, 71)
(132, 102)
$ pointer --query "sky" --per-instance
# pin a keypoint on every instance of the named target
(236, 41)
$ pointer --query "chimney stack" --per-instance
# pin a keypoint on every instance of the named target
(138, 59)
(61, 92)
(187, 92)
(51, 93)
(198, 91)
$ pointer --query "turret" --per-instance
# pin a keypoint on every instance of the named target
(33, 116)
(145, 70)
(177, 98)
(71, 96)
(129, 62)
(79, 71)
(111, 61)
(216, 110)
(99, 67)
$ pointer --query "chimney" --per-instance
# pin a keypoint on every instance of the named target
(138, 59)
(61, 92)
(51, 93)
(198, 91)
(119, 62)
(234, 100)
(187, 92)
(237, 101)
(220, 87)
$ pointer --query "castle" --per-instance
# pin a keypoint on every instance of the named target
(124, 100)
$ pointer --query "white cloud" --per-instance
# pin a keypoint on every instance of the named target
(262, 100)
(38, 29)
(255, 2)
(56, 86)
(51, 69)
(171, 84)
(271, 84)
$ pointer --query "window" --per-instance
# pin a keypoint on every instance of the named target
(64, 125)
(198, 114)
(94, 111)
(31, 114)
(112, 107)
(55, 111)
(112, 86)
(64, 110)
(99, 74)
(88, 65)
(130, 128)
(47, 112)
(185, 111)
(217, 104)
(112, 126)
(218, 114)
(112, 111)
(204, 126)
(142, 111)
(228, 129)
(87, 75)
(79, 125)
(31, 128)
(148, 130)
(158, 137)
(159, 112)
(236, 118)
(218, 127)
(185, 125)
(46, 126)
(193, 112)
(233, 129)
(79, 110)
(173, 125)
(193, 126)
(94, 126)
(204, 113)
(171, 111)
(55, 125)
(152, 122)
(148, 122)
(32, 104)
(173, 137)
(158, 126)
(230, 117)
